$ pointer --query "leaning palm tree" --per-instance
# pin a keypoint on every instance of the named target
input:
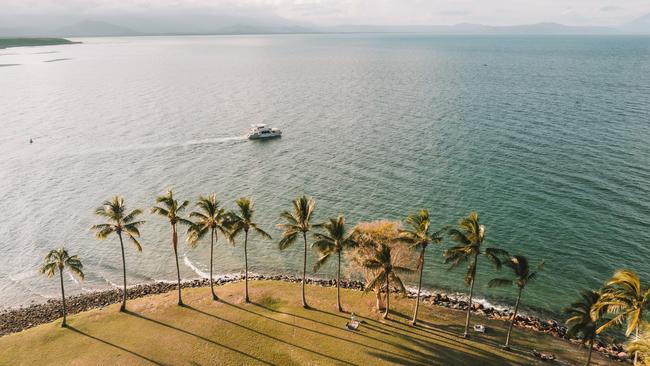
(171, 209)
(384, 264)
(59, 259)
(209, 218)
(469, 236)
(519, 266)
(243, 221)
(641, 345)
(419, 237)
(333, 242)
(118, 222)
(298, 223)
(624, 297)
(583, 320)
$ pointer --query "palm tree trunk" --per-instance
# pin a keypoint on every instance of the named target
(417, 299)
(304, 271)
(469, 309)
(178, 269)
(471, 294)
(246, 264)
(636, 353)
(380, 302)
(338, 284)
(214, 296)
(387, 297)
(64, 324)
(514, 317)
(591, 347)
(123, 307)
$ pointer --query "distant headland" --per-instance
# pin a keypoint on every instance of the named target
(28, 42)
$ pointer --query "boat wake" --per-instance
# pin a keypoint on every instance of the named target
(209, 141)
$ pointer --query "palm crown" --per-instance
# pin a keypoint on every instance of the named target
(382, 263)
(624, 297)
(297, 222)
(209, 216)
(469, 236)
(582, 319)
(59, 259)
(171, 209)
(118, 221)
(520, 268)
(334, 241)
(418, 235)
(243, 221)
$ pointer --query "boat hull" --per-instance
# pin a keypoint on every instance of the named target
(264, 137)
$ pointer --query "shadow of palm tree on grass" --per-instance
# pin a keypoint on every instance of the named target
(198, 336)
(80, 332)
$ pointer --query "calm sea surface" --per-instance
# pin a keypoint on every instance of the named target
(547, 137)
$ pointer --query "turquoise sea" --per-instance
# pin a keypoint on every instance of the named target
(547, 137)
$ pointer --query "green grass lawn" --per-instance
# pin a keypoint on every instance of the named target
(273, 330)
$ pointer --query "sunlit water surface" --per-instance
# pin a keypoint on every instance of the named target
(547, 137)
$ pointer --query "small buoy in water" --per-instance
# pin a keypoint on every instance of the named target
(31, 141)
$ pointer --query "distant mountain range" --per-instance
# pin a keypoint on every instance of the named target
(206, 24)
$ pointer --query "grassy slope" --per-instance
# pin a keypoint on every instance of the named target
(274, 330)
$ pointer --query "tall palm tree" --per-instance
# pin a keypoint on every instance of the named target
(419, 237)
(334, 241)
(470, 236)
(209, 218)
(383, 263)
(583, 320)
(641, 345)
(59, 259)
(118, 222)
(172, 210)
(523, 275)
(298, 223)
(243, 221)
(624, 297)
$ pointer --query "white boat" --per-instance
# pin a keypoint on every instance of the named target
(262, 131)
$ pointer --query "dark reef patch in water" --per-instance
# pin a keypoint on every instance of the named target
(58, 59)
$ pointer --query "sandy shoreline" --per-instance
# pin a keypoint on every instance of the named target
(18, 319)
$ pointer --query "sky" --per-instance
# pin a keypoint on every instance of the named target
(336, 12)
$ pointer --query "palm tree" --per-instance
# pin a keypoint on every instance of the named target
(469, 236)
(383, 263)
(641, 345)
(624, 297)
(172, 210)
(583, 320)
(519, 266)
(59, 259)
(243, 221)
(418, 237)
(118, 222)
(334, 241)
(209, 218)
(297, 223)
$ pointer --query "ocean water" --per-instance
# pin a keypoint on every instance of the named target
(547, 137)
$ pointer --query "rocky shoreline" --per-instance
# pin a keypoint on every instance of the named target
(18, 319)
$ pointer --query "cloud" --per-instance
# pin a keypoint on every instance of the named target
(330, 12)
(455, 13)
(611, 8)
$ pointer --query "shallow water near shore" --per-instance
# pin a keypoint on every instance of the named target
(547, 137)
